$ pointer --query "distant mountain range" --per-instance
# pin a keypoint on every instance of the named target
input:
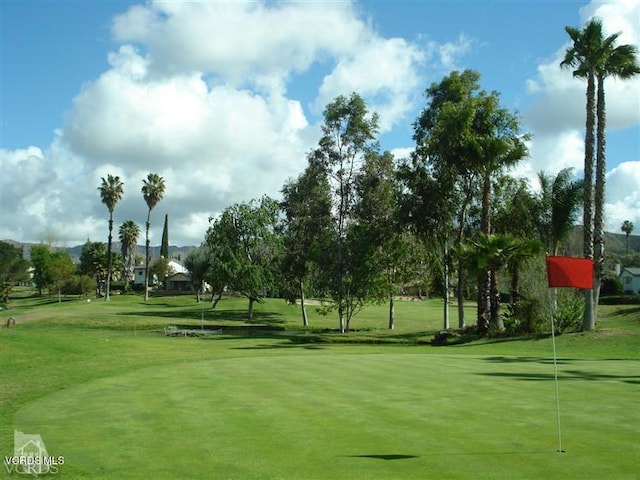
(615, 244)
(178, 253)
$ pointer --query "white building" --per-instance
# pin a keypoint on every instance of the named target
(174, 267)
(630, 278)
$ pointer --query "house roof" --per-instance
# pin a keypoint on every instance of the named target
(179, 277)
(634, 271)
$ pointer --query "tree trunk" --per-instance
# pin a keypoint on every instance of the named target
(445, 312)
(484, 281)
(483, 302)
(460, 294)
(392, 313)
(109, 257)
(250, 313)
(214, 299)
(598, 220)
(588, 322)
(494, 303)
(461, 222)
(516, 306)
(305, 321)
(146, 260)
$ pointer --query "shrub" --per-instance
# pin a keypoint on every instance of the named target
(568, 316)
(611, 286)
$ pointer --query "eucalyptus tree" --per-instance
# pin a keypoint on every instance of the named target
(595, 57)
(128, 233)
(348, 132)
(465, 137)
(111, 192)
(247, 244)
(377, 236)
(627, 228)
(439, 185)
(307, 225)
(152, 191)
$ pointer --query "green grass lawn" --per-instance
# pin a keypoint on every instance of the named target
(108, 391)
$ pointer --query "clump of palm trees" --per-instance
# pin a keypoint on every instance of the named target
(595, 57)
(111, 192)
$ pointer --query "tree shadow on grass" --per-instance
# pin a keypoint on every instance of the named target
(282, 345)
(543, 360)
(566, 375)
(384, 456)
(628, 311)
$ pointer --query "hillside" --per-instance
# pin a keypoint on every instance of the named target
(615, 245)
(179, 253)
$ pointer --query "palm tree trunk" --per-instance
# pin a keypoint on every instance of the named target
(146, 261)
(494, 303)
(483, 302)
(109, 256)
(484, 278)
(598, 221)
(588, 322)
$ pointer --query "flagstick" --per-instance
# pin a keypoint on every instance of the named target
(555, 367)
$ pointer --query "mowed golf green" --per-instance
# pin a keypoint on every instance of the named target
(118, 403)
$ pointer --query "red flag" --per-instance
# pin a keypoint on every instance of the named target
(570, 272)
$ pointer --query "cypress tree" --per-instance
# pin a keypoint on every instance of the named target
(164, 249)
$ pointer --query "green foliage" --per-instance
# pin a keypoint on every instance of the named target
(129, 233)
(40, 260)
(160, 269)
(245, 248)
(348, 134)
(94, 262)
(568, 315)
(13, 269)
(164, 246)
(611, 285)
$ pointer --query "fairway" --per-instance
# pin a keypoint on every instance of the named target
(108, 391)
(344, 412)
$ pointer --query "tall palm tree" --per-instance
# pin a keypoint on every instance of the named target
(596, 57)
(129, 233)
(580, 57)
(111, 192)
(152, 191)
(627, 228)
(621, 62)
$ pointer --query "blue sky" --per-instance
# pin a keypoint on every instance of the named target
(224, 99)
